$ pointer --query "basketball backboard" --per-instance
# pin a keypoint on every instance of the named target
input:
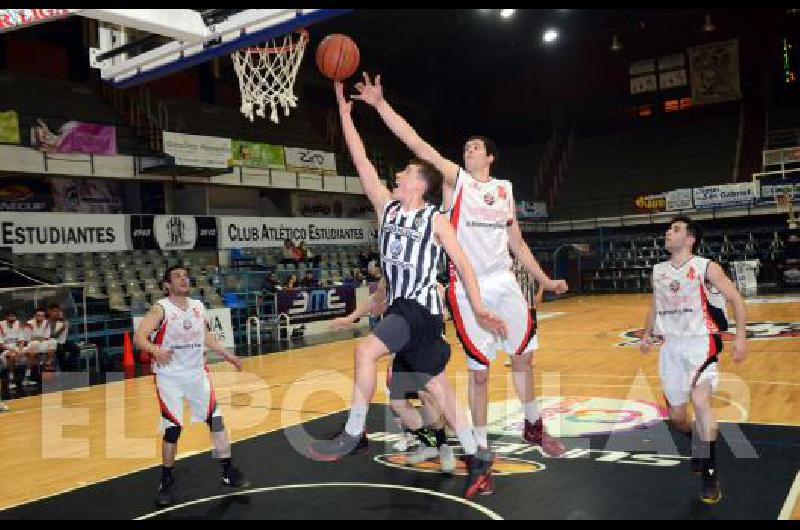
(139, 45)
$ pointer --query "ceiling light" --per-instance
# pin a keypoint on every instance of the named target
(550, 36)
(507, 13)
(708, 27)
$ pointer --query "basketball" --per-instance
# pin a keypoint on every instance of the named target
(337, 57)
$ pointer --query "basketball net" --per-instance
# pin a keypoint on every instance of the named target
(267, 74)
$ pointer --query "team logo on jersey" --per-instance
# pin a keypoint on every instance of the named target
(187, 325)
(675, 286)
(395, 248)
(488, 199)
(417, 222)
(755, 331)
(501, 192)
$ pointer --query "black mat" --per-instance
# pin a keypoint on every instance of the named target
(602, 477)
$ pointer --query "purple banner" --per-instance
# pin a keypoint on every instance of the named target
(75, 137)
(322, 303)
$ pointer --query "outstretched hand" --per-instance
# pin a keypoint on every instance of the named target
(369, 92)
(344, 105)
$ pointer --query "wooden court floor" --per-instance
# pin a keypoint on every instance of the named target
(64, 440)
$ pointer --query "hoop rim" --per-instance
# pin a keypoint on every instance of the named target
(304, 38)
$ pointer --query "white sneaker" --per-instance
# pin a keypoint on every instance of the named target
(29, 382)
(406, 442)
(421, 454)
(12, 385)
(3, 407)
(447, 459)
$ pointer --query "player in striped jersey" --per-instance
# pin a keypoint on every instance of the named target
(688, 311)
(412, 236)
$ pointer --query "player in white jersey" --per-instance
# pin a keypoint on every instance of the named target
(688, 312)
(179, 365)
(11, 336)
(483, 214)
(411, 237)
(38, 342)
(12, 349)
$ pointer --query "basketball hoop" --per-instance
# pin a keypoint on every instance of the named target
(267, 74)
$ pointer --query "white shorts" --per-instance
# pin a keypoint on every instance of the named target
(685, 362)
(195, 386)
(502, 295)
(41, 346)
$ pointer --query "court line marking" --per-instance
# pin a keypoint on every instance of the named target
(485, 511)
(791, 500)
(180, 456)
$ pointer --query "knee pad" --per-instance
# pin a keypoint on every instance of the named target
(215, 423)
(171, 434)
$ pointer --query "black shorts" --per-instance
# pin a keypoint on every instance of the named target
(415, 336)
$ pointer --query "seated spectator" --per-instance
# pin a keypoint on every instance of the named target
(271, 283)
(307, 255)
(37, 342)
(291, 283)
(67, 351)
(363, 260)
(11, 337)
(374, 272)
(289, 253)
(309, 280)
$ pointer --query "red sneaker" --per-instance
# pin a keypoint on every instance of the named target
(535, 434)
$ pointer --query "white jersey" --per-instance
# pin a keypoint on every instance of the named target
(687, 305)
(11, 335)
(183, 332)
(481, 214)
(34, 331)
(60, 330)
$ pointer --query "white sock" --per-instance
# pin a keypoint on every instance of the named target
(356, 420)
(467, 439)
(481, 436)
(531, 411)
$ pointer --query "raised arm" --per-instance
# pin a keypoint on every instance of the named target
(378, 194)
(447, 238)
(372, 93)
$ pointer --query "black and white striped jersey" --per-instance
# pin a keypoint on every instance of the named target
(410, 254)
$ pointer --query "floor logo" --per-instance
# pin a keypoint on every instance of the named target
(502, 465)
(577, 416)
(755, 331)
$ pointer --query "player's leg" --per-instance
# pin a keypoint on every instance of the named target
(481, 349)
(479, 460)
(436, 421)
(32, 356)
(702, 359)
(199, 391)
(170, 400)
(11, 363)
(391, 334)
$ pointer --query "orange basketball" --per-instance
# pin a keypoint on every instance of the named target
(337, 57)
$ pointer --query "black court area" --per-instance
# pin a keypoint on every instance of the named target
(634, 475)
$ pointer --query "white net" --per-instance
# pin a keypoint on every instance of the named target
(267, 74)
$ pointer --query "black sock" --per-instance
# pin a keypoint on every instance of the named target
(225, 463)
(166, 473)
(441, 437)
(426, 436)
